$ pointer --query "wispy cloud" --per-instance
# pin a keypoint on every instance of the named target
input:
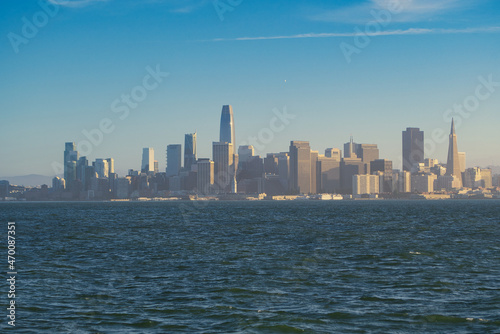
(411, 31)
(408, 10)
(182, 6)
(75, 3)
(175, 6)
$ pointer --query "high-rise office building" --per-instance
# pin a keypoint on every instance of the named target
(101, 167)
(334, 153)
(70, 153)
(205, 176)
(453, 165)
(348, 168)
(271, 163)
(365, 184)
(350, 149)
(384, 166)
(249, 165)
(250, 175)
(245, 152)
(58, 184)
(70, 174)
(366, 152)
(284, 170)
(413, 147)
(70, 159)
(314, 172)
(300, 167)
(80, 168)
(157, 168)
(477, 178)
(148, 160)
(405, 182)
(111, 165)
(401, 181)
(89, 174)
(328, 174)
(189, 150)
(487, 177)
(463, 161)
(174, 159)
(224, 167)
(423, 183)
(227, 125)
(123, 187)
(81, 172)
(446, 183)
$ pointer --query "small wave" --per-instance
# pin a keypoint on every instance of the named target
(477, 319)
(280, 329)
(439, 318)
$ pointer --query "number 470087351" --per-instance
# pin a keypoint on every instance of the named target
(11, 240)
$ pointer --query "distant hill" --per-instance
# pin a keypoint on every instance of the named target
(31, 180)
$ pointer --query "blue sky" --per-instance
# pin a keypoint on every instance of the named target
(408, 69)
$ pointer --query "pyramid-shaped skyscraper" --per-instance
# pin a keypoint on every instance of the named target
(453, 167)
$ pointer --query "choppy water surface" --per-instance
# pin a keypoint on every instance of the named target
(257, 267)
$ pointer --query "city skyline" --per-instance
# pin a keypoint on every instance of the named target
(298, 173)
(365, 152)
(179, 62)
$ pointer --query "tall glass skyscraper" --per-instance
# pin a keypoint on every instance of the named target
(227, 125)
(300, 167)
(70, 159)
(174, 156)
(413, 147)
(101, 167)
(224, 167)
(189, 150)
(81, 172)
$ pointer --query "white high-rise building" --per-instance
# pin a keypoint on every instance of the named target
(111, 165)
(101, 167)
(365, 184)
(405, 182)
(148, 160)
(463, 161)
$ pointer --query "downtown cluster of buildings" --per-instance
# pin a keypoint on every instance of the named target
(356, 172)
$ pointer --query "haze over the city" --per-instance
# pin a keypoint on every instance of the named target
(369, 69)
